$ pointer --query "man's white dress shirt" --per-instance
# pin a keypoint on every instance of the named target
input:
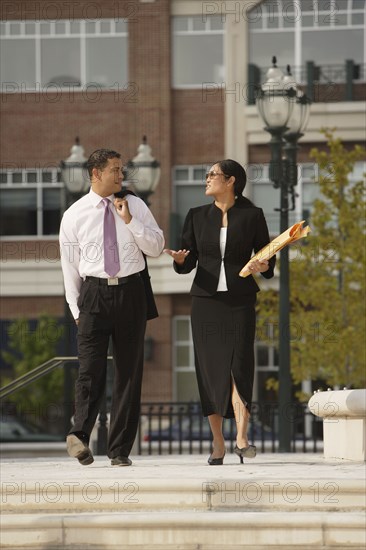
(81, 242)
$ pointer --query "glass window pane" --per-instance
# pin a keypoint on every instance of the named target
(186, 385)
(47, 176)
(272, 22)
(23, 71)
(311, 192)
(60, 61)
(188, 197)
(308, 171)
(262, 356)
(198, 23)
(357, 18)
(358, 4)
(182, 330)
(199, 174)
(45, 28)
(216, 22)
(197, 59)
(18, 212)
(182, 356)
(336, 45)
(256, 23)
(14, 28)
(121, 26)
(3, 177)
(180, 23)
(51, 211)
(17, 177)
(90, 27)
(341, 19)
(307, 5)
(31, 177)
(105, 26)
(265, 196)
(75, 27)
(60, 27)
(2, 28)
(30, 28)
(262, 43)
(97, 51)
(307, 21)
(181, 174)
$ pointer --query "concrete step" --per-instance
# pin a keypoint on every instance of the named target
(184, 531)
(273, 501)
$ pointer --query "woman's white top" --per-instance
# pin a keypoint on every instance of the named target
(222, 286)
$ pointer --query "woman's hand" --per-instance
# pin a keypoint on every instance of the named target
(178, 255)
(258, 266)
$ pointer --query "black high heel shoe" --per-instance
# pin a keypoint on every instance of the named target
(247, 452)
(216, 461)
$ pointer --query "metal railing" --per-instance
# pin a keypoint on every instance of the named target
(180, 428)
(323, 83)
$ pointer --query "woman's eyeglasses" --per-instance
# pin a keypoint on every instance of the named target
(214, 174)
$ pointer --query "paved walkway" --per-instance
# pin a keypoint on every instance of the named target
(285, 465)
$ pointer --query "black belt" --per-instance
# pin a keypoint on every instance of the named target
(113, 281)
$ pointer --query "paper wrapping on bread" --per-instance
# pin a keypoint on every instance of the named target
(292, 234)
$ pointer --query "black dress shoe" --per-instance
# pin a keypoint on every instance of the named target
(247, 452)
(121, 461)
(216, 461)
(79, 449)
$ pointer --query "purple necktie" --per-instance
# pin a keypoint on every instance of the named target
(111, 256)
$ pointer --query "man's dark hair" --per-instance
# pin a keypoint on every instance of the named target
(99, 159)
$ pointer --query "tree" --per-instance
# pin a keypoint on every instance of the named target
(327, 277)
(28, 349)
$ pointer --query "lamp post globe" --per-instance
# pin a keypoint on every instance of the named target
(74, 173)
(143, 171)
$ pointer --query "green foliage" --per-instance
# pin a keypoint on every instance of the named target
(29, 349)
(327, 276)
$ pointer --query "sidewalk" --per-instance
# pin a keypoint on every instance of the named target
(273, 501)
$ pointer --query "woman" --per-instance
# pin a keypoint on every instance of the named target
(219, 239)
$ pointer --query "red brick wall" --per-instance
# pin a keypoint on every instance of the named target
(198, 127)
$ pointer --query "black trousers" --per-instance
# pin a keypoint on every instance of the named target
(120, 312)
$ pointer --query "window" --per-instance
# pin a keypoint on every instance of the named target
(325, 31)
(188, 192)
(63, 54)
(266, 361)
(198, 50)
(185, 384)
(267, 197)
(31, 202)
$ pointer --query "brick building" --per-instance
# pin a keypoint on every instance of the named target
(181, 73)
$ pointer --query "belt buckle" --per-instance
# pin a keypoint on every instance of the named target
(112, 281)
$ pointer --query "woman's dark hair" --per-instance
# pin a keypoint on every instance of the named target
(230, 168)
(99, 159)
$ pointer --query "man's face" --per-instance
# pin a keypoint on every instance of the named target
(110, 178)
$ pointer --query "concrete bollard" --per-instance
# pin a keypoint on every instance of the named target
(344, 422)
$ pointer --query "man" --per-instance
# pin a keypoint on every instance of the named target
(103, 241)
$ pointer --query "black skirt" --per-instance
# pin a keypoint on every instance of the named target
(223, 336)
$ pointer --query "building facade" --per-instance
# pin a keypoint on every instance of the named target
(183, 73)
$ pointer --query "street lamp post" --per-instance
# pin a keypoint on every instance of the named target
(284, 110)
(76, 182)
(144, 171)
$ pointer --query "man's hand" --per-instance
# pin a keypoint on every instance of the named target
(121, 205)
(178, 255)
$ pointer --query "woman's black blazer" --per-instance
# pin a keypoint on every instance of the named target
(247, 231)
